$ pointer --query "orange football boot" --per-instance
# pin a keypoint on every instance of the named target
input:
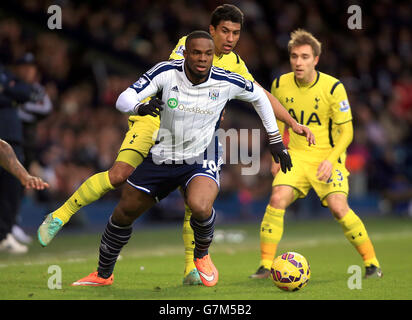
(94, 280)
(207, 270)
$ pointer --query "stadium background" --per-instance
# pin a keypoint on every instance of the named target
(104, 46)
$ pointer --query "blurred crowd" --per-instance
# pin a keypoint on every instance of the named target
(103, 46)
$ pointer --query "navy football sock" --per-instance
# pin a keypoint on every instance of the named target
(203, 234)
(112, 242)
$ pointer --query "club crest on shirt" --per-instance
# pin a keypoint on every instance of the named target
(213, 94)
(317, 103)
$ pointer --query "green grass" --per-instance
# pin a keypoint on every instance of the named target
(151, 265)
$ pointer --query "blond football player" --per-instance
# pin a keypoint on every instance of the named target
(318, 101)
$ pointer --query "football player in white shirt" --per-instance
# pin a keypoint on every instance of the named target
(164, 170)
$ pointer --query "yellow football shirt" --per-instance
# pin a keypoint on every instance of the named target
(321, 105)
(230, 62)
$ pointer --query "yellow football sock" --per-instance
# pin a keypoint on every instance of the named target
(91, 190)
(189, 241)
(355, 232)
(271, 231)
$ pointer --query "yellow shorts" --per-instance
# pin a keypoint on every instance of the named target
(140, 137)
(302, 178)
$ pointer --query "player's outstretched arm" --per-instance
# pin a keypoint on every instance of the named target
(261, 103)
(10, 163)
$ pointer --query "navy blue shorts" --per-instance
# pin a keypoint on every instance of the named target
(159, 180)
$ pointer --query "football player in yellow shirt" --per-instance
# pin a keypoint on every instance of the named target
(225, 27)
(318, 101)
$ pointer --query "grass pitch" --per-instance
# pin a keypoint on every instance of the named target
(151, 265)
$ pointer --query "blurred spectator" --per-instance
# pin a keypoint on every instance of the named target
(30, 113)
(14, 93)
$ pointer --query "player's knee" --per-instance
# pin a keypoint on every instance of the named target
(339, 210)
(201, 209)
(282, 197)
(132, 204)
(128, 210)
(123, 216)
(119, 173)
(338, 205)
(278, 201)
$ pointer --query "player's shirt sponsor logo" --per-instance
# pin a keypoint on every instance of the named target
(182, 107)
(175, 89)
(305, 120)
(172, 103)
(344, 106)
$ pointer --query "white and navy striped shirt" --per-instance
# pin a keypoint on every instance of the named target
(191, 113)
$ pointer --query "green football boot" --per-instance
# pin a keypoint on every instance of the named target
(192, 278)
(48, 229)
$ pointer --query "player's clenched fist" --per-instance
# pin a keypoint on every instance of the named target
(279, 152)
(151, 108)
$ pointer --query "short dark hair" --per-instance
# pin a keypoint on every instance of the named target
(196, 35)
(226, 12)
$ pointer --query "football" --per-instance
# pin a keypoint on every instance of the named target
(290, 271)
